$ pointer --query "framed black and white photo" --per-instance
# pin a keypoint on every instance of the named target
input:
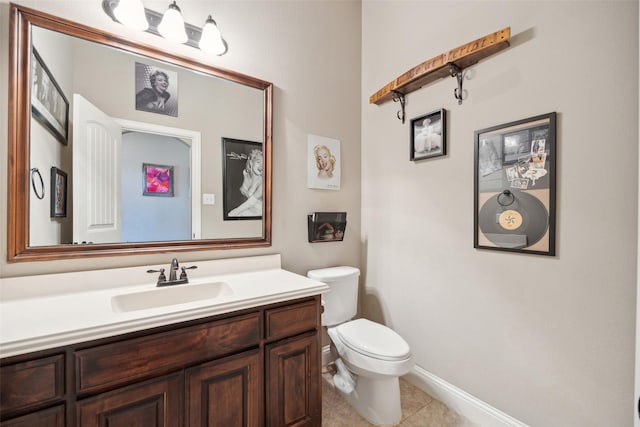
(428, 136)
(49, 106)
(156, 90)
(58, 193)
(515, 186)
(243, 179)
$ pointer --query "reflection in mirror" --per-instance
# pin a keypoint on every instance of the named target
(139, 134)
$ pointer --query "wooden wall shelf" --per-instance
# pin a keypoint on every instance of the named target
(446, 64)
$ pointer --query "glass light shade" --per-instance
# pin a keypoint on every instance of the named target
(172, 25)
(211, 40)
(130, 13)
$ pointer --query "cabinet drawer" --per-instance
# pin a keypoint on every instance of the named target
(291, 320)
(108, 365)
(28, 384)
(52, 417)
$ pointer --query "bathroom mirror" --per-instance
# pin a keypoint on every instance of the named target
(95, 168)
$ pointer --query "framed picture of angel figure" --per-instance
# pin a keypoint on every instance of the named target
(428, 136)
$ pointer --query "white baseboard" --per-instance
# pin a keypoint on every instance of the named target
(470, 407)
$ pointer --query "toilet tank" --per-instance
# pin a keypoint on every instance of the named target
(341, 302)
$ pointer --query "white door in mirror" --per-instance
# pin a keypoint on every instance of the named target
(97, 216)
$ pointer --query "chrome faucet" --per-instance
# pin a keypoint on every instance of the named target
(173, 269)
(173, 275)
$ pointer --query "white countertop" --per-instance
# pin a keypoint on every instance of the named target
(41, 318)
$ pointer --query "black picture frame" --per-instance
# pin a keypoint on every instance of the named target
(58, 193)
(243, 179)
(428, 136)
(515, 186)
(49, 106)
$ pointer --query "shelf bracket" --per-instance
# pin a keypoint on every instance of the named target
(458, 73)
(399, 97)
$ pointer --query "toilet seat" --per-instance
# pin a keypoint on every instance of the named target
(373, 340)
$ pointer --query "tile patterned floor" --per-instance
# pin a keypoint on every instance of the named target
(418, 409)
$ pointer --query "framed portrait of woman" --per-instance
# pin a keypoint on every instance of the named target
(156, 90)
(323, 163)
(242, 179)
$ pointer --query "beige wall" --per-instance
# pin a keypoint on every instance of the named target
(311, 52)
(548, 340)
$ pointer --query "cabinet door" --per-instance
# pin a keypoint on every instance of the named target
(156, 403)
(226, 392)
(293, 394)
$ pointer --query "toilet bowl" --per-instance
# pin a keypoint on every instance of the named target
(375, 356)
(372, 349)
(370, 357)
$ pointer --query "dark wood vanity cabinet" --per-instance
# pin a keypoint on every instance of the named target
(257, 367)
(293, 388)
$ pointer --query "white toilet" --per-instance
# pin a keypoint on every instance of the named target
(371, 356)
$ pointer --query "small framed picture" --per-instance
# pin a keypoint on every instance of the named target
(49, 106)
(428, 136)
(156, 90)
(58, 193)
(323, 162)
(243, 179)
(157, 180)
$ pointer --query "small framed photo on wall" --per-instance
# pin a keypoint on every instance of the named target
(428, 136)
(157, 180)
(58, 193)
(156, 90)
(323, 163)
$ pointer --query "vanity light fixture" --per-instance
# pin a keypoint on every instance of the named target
(172, 25)
(169, 25)
(211, 40)
(131, 14)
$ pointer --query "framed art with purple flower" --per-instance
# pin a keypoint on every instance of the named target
(157, 180)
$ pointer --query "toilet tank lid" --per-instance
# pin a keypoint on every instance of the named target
(332, 274)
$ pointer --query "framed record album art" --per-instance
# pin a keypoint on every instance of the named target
(515, 186)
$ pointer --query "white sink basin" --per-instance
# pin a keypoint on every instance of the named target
(162, 297)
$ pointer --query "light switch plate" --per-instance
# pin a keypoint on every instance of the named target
(208, 199)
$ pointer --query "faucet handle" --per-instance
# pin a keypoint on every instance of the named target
(162, 277)
(183, 274)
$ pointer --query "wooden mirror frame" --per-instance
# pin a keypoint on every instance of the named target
(18, 249)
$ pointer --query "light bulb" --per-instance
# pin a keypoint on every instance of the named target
(130, 13)
(211, 40)
(172, 25)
